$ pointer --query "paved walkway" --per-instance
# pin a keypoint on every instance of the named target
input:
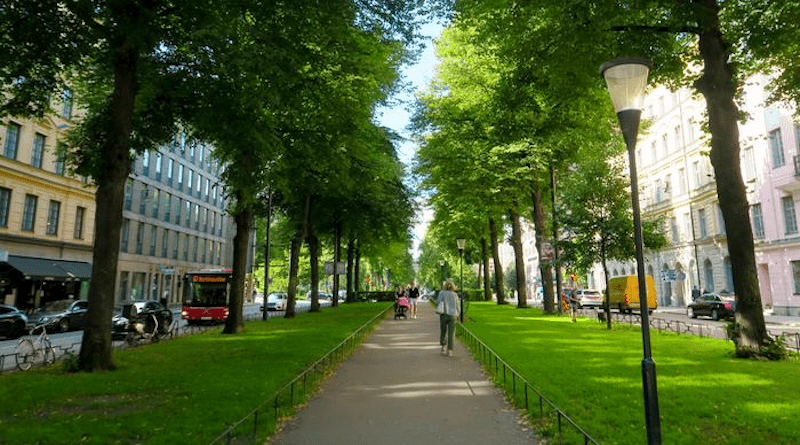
(398, 389)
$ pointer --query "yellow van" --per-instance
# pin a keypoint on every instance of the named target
(623, 293)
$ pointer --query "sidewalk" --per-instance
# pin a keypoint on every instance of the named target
(398, 389)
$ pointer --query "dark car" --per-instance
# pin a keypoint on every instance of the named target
(12, 321)
(147, 312)
(63, 315)
(712, 305)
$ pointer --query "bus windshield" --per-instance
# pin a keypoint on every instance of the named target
(208, 294)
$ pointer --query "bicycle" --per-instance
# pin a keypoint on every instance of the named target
(37, 351)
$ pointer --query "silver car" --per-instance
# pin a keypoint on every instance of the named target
(589, 298)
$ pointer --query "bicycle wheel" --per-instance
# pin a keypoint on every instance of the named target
(49, 352)
(25, 353)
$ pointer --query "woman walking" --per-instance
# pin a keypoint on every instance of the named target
(449, 301)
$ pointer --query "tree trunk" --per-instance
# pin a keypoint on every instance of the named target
(294, 262)
(540, 224)
(519, 258)
(351, 282)
(607, 298)
(313, 244)
(337, 254)
(719, 88)
(241, 246)
(487, 286)
(498, 268)
(357, 269)
(264, 311)
(96, 351)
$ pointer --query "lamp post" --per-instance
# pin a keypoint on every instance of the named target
(461, 242)
(626, 79)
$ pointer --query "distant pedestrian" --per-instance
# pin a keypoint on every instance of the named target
(447, 319)
(413, 295)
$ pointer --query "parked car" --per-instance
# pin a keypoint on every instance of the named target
(12, 321)
(276, 301)
(63, 315)
(142, 311)
(588, 298)
(712, 305)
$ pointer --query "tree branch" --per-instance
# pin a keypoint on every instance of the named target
(667, 29)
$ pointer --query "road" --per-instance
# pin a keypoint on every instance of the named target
(70, 342)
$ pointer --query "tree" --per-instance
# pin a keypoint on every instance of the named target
(728, 39)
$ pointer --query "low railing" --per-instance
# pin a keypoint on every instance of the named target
(261, 421)
(520, 392)
(697, 329)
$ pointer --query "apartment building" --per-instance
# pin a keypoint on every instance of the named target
(175, 217)
(677, 185)
(46, 214)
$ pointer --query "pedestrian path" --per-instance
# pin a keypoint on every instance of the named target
(399, 389)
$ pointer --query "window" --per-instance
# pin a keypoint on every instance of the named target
(708, 270)
(728, 274)
(167, 207)
(156, 202)
(205, 220)
(153, 239)
(776, 144)
(676, 137)
(701, 216)
(214, 194)
(758, 220)
(192, 146)
(128, 194)
(12, 140)
(146, 163)
(143, 202)
(189, 181)
(681, 181)
(796, 276)
(188, 213)
(175, 246)
(185, 247)
(5, 204)
(38, 150)
(687, 226)
(213, 222)
(201, 152)
(689, 131)
(659, 191)
(29, 213)
(208, 186)
(53, 215)
(199, 185)
(664, 145)
(653, 153)
(697, 173)
(180, 176)
(197, 217)
(61, 157)
(720, 221)
(80, 213)
(140, 238)
(66, 104)
(170, 171)
(673, 222)
(203, 251)
(749, 164)
(123, 285)
(178, 211)
(123, 241)
(789, 215)
(165, 243)
(159, 160)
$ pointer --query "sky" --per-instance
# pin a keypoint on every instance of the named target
(398, 118)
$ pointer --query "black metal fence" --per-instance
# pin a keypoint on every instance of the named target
(262, 420)
(550, 421)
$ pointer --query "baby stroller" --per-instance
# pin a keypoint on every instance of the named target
(401, 307)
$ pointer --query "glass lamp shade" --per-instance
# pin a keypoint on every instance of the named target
(627, 79)
(461, 242)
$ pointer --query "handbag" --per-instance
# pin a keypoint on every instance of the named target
(440, 307)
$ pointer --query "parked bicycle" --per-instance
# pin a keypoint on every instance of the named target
(38, 350)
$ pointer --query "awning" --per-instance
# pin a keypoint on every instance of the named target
(49, 268)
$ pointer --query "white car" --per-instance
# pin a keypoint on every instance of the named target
(589, 298)
(276, 301)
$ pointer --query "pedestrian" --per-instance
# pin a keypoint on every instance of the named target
(447, 318)
(413, 295)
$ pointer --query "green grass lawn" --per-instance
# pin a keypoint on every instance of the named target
(706, 396)
(186, 390)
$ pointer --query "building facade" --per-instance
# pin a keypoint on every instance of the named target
(175, 217)
(46, 214)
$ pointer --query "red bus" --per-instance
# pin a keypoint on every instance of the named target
(206, 295)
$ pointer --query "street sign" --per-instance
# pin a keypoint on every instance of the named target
(669, 275)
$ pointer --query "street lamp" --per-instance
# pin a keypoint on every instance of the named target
(461, 242)
(627, 79)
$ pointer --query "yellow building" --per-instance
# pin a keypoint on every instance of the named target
(46, 214)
